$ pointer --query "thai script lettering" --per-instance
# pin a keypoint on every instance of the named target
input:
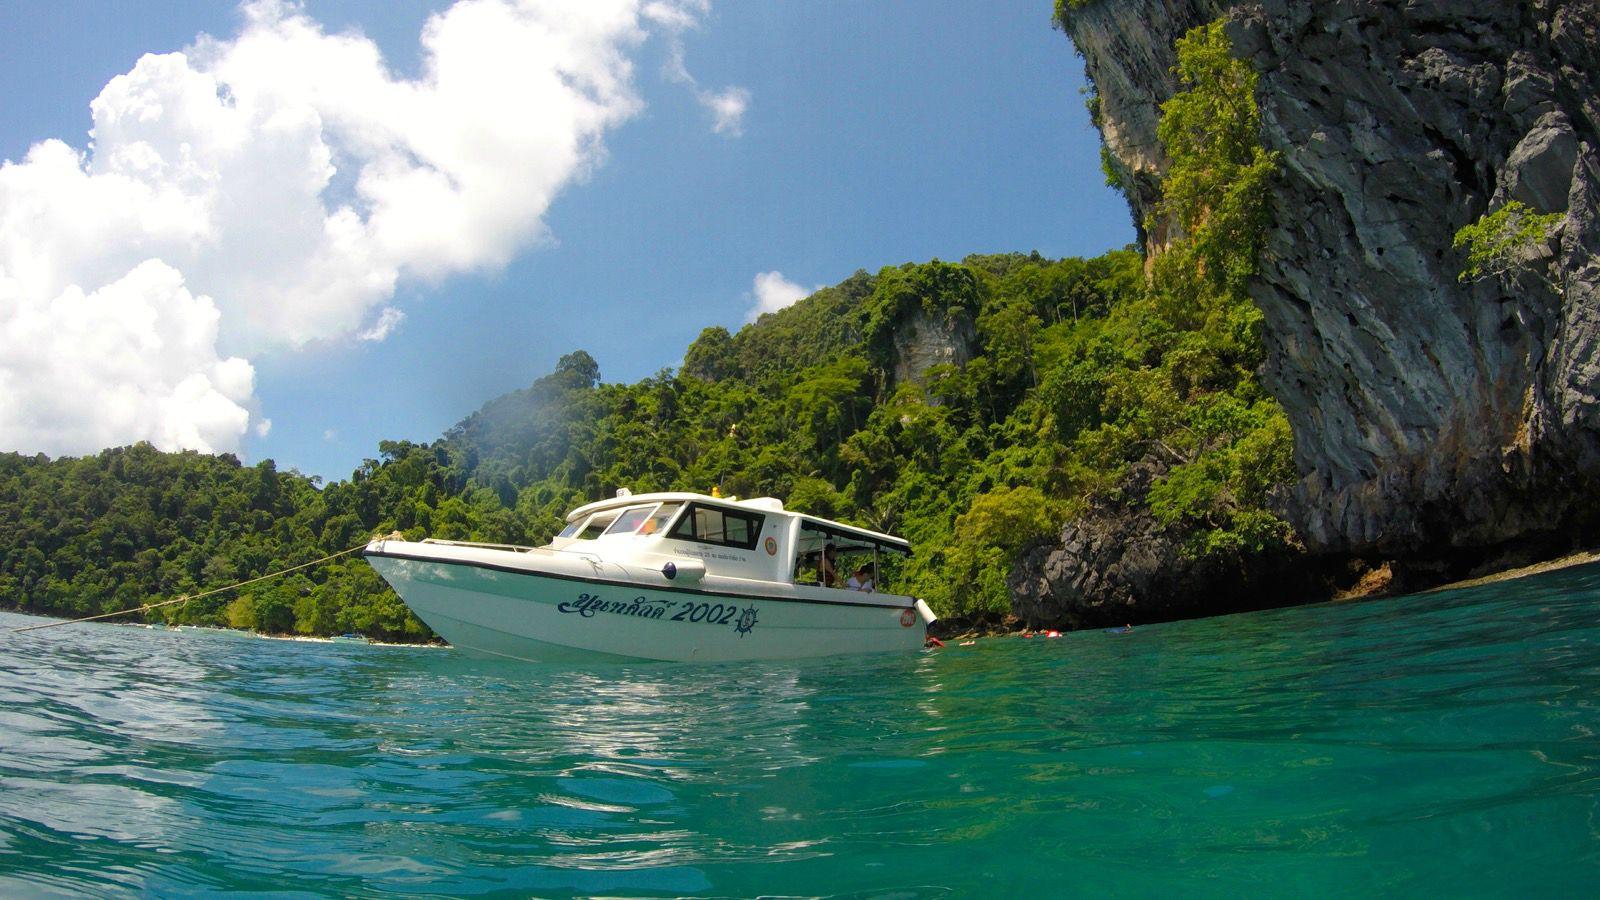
(588, 604)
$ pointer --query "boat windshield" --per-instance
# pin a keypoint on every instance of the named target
(570, 530)
(597, 525)
(657, 523)
(630, 519)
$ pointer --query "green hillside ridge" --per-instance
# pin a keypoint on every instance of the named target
(1079, 369)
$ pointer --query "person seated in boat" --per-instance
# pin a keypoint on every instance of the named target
(860, 580)
(828, 567)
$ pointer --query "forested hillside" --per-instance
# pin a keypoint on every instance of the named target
(972, 407)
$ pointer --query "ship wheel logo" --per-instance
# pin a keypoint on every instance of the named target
(746, 621)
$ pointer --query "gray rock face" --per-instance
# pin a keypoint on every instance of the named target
(1127, 51)
(1118, 564)
(925, 340)
(1430, 416)
(1108, 563)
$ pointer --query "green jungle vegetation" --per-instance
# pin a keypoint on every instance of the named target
(1078, 369)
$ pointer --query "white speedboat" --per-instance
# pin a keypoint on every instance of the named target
(668, 576)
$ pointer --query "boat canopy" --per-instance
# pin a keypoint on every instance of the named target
(849, 537)
(625, 497)
(844, 536)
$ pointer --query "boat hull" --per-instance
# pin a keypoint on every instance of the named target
(512, 609)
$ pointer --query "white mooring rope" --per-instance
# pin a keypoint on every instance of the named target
(186, 597)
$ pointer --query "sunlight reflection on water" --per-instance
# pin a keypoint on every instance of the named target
(1444, 741)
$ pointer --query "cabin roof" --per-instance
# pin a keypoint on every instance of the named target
(763, 505)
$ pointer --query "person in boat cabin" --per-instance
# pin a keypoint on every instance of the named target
(823, 568)
(828, 566)
(860, 580)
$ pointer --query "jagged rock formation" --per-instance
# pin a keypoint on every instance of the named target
(1431, 418)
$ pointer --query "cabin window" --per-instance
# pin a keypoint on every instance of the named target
(630, 519)
(715, 525)
(570, 530)
(596, 526)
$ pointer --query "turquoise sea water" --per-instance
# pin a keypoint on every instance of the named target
(1443, 743)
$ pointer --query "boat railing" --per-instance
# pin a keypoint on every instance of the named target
(517, 547)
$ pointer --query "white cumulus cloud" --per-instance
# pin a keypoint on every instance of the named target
(256, 193)
(773, 292)
(132, 360)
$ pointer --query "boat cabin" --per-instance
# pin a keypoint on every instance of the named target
(752, 539)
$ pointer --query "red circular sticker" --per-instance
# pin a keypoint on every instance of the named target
(907, 617)
(772, 546)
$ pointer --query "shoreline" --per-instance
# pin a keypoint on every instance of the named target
(1582, 557)
(1372, 586)
(233, 632)
(314, 639)
(962, 628)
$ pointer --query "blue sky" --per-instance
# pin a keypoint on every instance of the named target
(870, 135)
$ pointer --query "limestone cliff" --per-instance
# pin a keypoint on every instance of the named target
(925, 340)
(1432, 418)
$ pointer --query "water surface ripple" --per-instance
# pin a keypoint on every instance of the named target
(1444, 742)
